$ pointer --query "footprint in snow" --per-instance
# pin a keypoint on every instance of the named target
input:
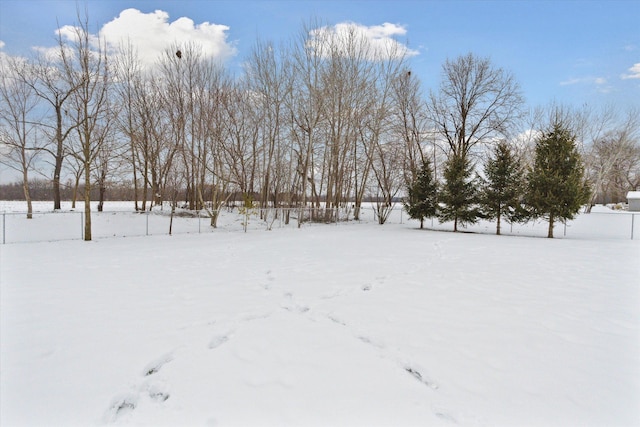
(269, 282)
(370, 341)
(336, 320)
(121, 406)
(157, 393)
(157, 364)
(417, 375)
(290, 305)
(217, 340)
(124, 404)
(445, 416)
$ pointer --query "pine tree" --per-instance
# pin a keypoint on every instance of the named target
(556, 188)
(459, 195)
(503, 187)
(421, 201)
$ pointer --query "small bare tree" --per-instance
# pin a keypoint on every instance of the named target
(18, 126)
(109, 157)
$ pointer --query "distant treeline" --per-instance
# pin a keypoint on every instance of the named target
(42, 190)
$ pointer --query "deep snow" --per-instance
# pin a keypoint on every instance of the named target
(328, 325)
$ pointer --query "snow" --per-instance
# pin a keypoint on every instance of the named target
(327, 325)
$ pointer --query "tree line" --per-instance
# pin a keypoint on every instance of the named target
(554, 187)
(326, 119)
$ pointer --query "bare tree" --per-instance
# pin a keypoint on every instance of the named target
(476, 104)
(156, 143)
(127, 86)
(76, 167)
(186, 80)
(51, 83)
(18, 126)
(269, 81)
(352, 116)
(107, 162)
(174, 182)
(211, 112)
(612, 158)
(410, 122)
(241, 149)
(382, 147)
(89, 73)
(306, 105)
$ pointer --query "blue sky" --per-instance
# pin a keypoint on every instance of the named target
(570, 52)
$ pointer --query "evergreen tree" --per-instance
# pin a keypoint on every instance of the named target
(421, 201)
(503, 187)
(556, 185)
(459, 195)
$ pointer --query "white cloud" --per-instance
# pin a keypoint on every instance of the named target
(73, 34)
(634, 72)
(526, 137)
(152, 33)
(571, 82)
(3, 55)
(380, 39)
(599, 81)
(6, 60)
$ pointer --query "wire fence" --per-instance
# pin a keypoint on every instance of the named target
(69, 225)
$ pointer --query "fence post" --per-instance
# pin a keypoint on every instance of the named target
(633, 216)
(4, 227)
(81, 225)
(146, 216)
(198, 222)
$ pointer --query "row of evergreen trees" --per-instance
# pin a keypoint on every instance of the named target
(553, 188)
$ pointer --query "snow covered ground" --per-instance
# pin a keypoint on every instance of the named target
(352, 324)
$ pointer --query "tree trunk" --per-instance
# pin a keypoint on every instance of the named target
(214, 218)
(56, 185)
(174, 202)
(145, 190)
(498, 226)
(75, 192)
(135, 174)
(103, 190)
(57, 170)
(27, 195)
(87, 201)
(550, 234)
